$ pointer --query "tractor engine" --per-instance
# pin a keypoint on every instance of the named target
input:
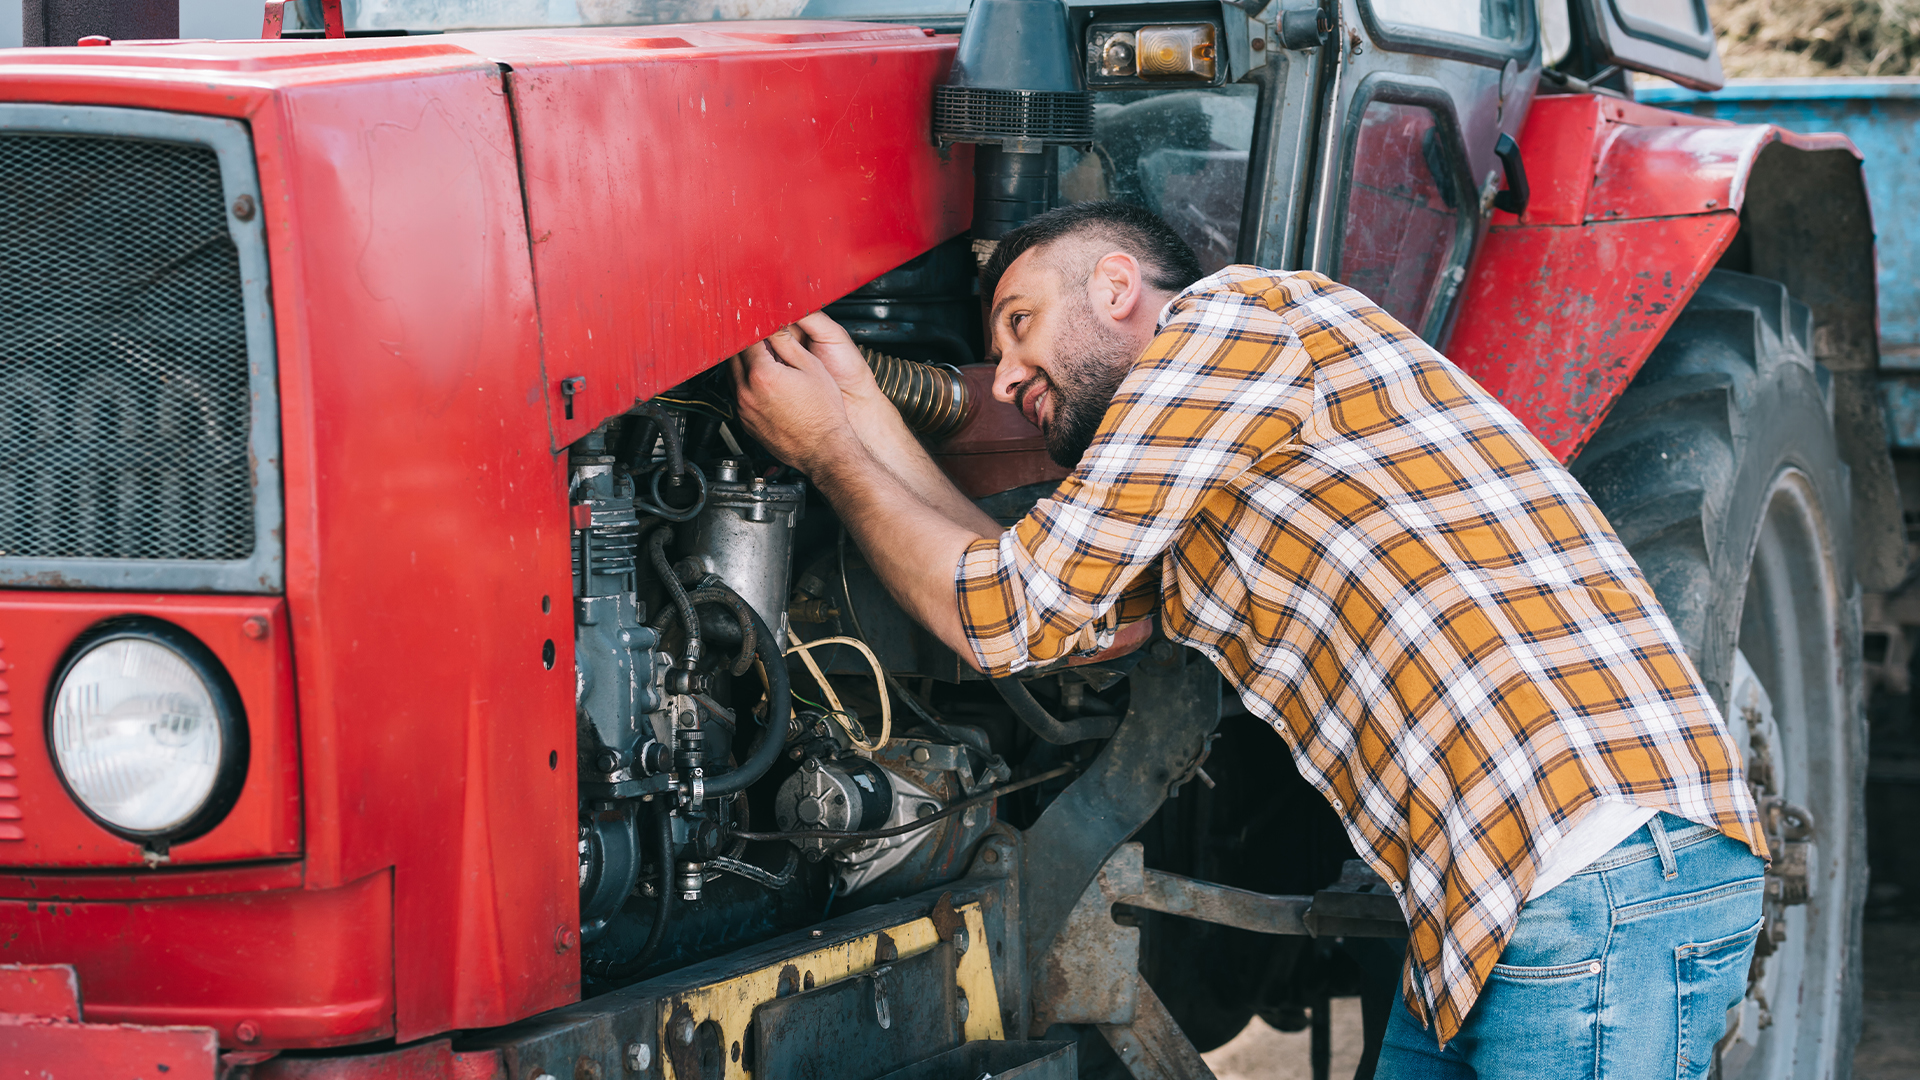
(723, 799)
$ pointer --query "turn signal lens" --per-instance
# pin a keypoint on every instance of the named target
(1180, 51)
(141, 736)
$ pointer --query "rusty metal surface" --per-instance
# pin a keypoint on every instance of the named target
(1087, 976)
(1262, 913)
(999, 1060)
(862, 1027)
(1153, 1047)
(1175, 706)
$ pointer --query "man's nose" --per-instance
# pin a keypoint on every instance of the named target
(1008, 374)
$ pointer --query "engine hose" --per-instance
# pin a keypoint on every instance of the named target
(1042, 723)
(773, 738)
(657, 551)
(669, 431)
(933, 399)
(730, 600)
(634, 965)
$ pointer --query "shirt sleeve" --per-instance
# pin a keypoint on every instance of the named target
(1219, 387)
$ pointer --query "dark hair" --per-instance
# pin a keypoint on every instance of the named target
(1168, 260)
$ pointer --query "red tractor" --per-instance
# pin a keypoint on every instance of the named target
(411, 668)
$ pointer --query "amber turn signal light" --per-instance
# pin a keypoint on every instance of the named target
(1179, 51)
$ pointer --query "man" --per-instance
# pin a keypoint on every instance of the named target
(1391, 571)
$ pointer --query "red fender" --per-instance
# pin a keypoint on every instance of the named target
(1631, 208)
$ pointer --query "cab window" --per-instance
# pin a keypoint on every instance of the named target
(1406, 212)
(1181, 154)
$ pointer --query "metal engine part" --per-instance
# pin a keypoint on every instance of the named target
(615, 659)
(745, 536)
(900, 783)
(847, 795)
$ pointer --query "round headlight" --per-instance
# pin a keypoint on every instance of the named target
(147, 732)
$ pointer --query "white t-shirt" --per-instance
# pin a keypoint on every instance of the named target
(1600, 829)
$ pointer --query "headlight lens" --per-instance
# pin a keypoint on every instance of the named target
(147, 735)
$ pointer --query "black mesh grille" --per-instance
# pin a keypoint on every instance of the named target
(124, 401)
(977, 114)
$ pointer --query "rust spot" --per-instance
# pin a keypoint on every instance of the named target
(884, 950)
(945, 919)
(788, 983)
(806, 981)
(681, 1042)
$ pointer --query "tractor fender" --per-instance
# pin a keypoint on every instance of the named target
(1631, 207)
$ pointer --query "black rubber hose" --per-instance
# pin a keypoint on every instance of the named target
(634, 965)
(1042, 723)
(657, 551)
(670, 431)
(773, 738)
(727, 598)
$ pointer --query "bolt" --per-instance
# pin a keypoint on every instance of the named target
(922, 755)
(961, 941)
(639, 1056)
(1162, 651)
(816, 933)
(565, 938)
(255, 628)
(991, 855)
(243, 208)
(247, 1031)
(960, 1006)
(683, 1030)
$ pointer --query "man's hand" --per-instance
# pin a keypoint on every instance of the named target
(792, 402)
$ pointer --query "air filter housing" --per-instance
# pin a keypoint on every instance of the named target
(1016, 82)
(1016, 90)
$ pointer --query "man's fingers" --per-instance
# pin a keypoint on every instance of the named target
(821, 328)
(788, 350)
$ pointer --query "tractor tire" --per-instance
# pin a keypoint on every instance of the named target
(1718, 468)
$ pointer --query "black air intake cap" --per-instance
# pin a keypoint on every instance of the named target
(1016, 82)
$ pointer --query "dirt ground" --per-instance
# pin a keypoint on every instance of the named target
(1889, 1038)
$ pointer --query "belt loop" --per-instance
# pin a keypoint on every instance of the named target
(1668, 867)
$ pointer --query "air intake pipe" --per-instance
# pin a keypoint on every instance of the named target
(934, 399)
(1016, 92)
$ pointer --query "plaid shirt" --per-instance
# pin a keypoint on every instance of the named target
(1393, 573)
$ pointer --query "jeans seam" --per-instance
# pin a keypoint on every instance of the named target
(1665, 904)
(1688, 839)
(1600, 996)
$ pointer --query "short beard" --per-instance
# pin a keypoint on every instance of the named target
(1093, 362)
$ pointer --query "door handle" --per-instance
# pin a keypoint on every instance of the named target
(1514, 199)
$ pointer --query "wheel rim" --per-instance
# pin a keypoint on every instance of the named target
(1788, 714)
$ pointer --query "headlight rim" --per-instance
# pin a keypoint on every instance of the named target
(235, 745)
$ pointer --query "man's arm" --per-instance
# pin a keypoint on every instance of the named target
(877, 422)
(906, 516)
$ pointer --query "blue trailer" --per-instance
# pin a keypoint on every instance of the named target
(1882, 117)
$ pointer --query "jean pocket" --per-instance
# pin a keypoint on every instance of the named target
(1712, 978)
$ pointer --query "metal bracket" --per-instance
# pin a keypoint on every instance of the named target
(1358, 905)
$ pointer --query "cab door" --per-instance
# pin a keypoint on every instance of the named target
(1416, 96)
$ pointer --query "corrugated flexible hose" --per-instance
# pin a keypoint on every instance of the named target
(933, 399)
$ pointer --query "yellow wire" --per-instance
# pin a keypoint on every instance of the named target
(805, 650)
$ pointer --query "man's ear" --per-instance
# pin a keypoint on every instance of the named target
(1117, 285)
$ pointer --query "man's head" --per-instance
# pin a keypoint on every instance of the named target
(1075, 296)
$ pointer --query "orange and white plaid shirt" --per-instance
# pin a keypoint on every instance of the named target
(1393, 573)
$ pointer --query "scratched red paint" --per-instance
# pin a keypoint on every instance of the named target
(1631, 208)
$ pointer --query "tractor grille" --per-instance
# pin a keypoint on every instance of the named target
(124, 385)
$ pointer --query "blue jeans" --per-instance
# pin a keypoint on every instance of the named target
(1624, 971)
